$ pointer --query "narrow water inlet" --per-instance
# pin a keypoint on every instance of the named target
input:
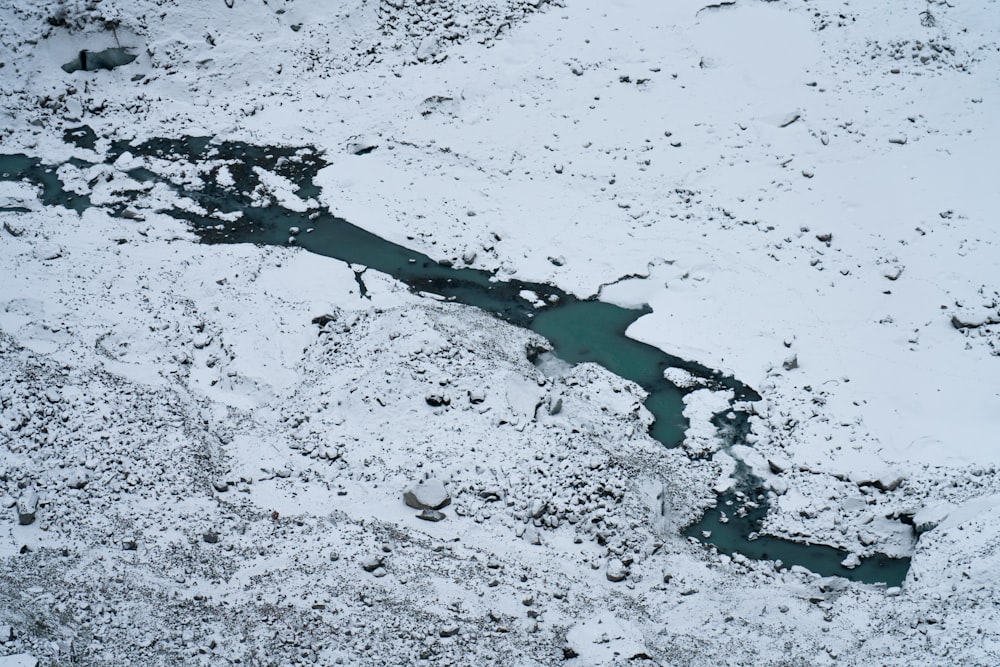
(579, 330)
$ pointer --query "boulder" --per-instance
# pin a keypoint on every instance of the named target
(431, 515)
(616, 570)
(428, 494)
(27, 507)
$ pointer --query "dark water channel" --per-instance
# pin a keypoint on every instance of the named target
(579, 330)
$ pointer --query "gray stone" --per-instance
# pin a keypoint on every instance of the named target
(27, 507)
(428, 494)
(371, 563)
(616, 570)
(432, 515)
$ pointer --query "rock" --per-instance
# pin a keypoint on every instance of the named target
(930, 516)
(789, 119)
(361, 146)
(851, 561)
(78, 479)
(968, 319)
(210, 537)
(449, 630)
(437, 400)
(899, 141)
(220, 485)
(616, 570)
(429, 47)
(371, 563)
(47, 251)
(778, 464)
(532, 536)
(477, 396)
(537, 508)
(428, 494)
(432, 515)
(791, 363)
(832, 584)
(379, 572)
(825, 238)
(6, 634)
(27, 507)
(130, 544)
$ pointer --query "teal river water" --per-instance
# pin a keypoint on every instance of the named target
(579, 330)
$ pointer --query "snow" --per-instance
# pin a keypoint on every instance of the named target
(740, 169)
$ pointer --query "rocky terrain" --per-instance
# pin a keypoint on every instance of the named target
(230, 455)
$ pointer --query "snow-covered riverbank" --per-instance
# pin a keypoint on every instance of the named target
(776, 191)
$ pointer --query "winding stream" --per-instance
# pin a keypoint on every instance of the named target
(579, 330)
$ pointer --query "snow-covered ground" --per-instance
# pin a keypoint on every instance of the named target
(801, 192)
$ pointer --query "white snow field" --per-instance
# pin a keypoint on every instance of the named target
(194, 471)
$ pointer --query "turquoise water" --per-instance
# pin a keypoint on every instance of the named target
(578, 330)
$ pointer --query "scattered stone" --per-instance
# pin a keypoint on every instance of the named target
(78, 480)
(778, 464)
(791, 363)
(532, 536)
(899, 141)
(929, 517)
(449, 630)
(437, 400)
(47, 251)
(210, 537)
(428, 494)
(361, 146)
(789, 119)
(220, 485)
(379, 572)
(477, 396)
(371, 563)
(825, 238)
(27, 507)
(616, 570)
(130, 544)
(432, 515)
(972, 320)
(429, 47)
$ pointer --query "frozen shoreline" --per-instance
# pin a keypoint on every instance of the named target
(513, 133)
